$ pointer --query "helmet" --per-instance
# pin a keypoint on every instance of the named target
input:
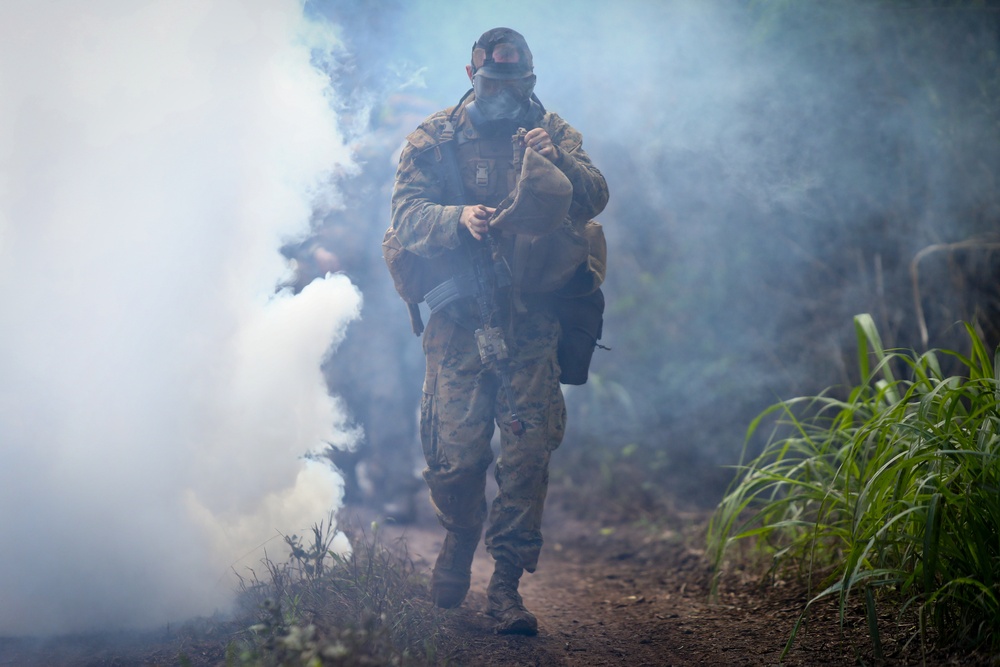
(502, 53)
(502, 76)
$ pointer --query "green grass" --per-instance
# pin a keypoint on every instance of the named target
(891, 495)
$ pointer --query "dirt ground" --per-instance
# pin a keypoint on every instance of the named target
(634, 594)
(639, 595)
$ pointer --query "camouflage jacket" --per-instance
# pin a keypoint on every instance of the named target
(427, 223)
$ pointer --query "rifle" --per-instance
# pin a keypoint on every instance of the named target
(489, 339)
(486, 261)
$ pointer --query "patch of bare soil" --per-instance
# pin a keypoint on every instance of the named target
(638, 595)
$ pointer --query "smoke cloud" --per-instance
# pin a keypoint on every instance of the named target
(157, 397)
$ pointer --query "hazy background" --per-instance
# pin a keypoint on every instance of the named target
(774, 167)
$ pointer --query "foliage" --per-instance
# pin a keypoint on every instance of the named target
(891, 492)
(322, 608)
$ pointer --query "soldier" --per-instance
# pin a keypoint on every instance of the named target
(463, 194)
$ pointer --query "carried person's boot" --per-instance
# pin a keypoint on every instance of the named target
(453, 569)
(505, 603)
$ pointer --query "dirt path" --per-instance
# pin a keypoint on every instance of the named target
(603, 597)
(639, 596)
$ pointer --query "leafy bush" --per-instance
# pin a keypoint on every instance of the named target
(891, 492)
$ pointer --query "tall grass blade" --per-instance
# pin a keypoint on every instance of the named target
(873, 624)
(868, 336)
(932, 536)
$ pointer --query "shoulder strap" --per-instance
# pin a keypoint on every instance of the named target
(445, 154)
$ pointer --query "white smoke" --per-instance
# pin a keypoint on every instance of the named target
(156, 397)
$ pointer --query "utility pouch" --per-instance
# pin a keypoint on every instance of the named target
(579, 305)
(581, 319)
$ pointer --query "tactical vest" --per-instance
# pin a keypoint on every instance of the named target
(489, 166)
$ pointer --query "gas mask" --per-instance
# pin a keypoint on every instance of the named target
(502, 99)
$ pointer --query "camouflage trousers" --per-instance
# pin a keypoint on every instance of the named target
(463, 402)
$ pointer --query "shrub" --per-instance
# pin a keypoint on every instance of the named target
(321, 608)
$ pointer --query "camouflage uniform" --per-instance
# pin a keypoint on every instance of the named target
(462, 399)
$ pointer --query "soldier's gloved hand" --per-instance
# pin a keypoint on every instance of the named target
(477, 220)
(540, 141)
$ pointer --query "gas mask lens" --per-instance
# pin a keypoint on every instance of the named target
(519, 89)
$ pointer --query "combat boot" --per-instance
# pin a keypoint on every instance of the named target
(505, 603)
(453, 569)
